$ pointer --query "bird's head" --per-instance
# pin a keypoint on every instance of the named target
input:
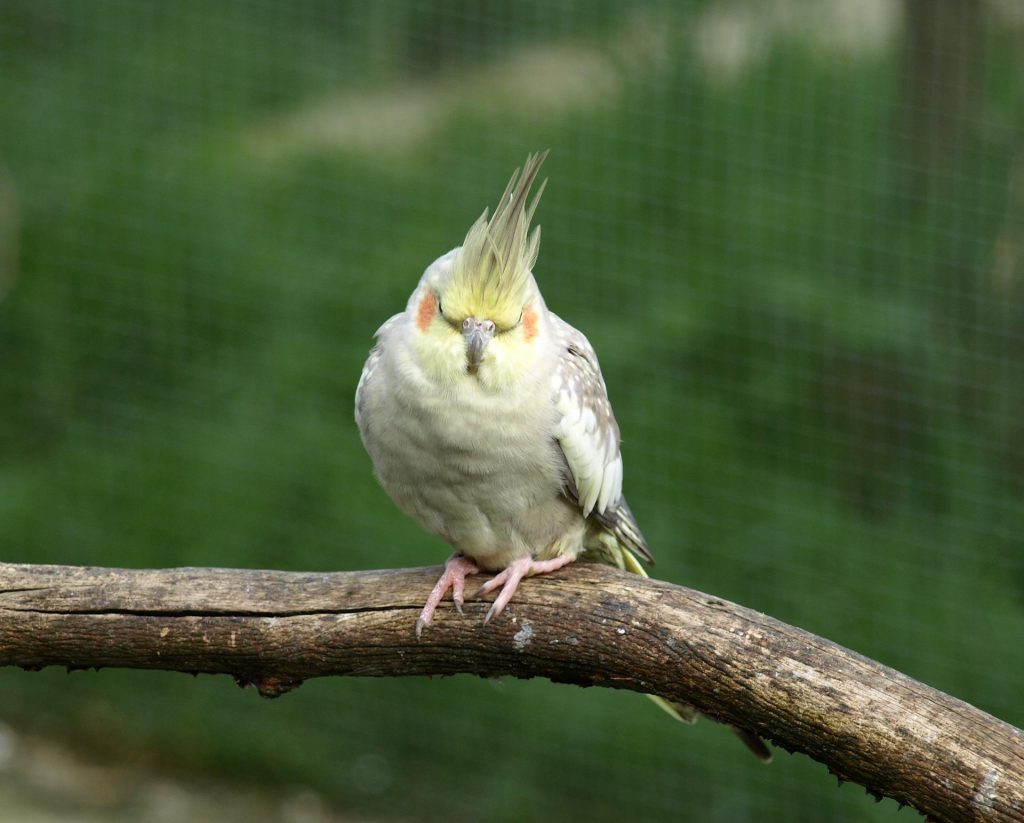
(477, 310)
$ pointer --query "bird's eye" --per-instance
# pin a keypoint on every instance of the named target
(439, 309)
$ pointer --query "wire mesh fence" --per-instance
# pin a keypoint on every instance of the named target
(793, 231)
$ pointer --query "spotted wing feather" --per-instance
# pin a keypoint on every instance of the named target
(588, 437)
(368, 369)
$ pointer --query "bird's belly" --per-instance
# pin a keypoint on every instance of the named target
(480, 472)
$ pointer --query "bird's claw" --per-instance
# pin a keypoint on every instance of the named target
(456, 570)
(508, 580)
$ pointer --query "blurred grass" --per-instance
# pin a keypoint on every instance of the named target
(817, 377)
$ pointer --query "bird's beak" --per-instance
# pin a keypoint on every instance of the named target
(478, 334)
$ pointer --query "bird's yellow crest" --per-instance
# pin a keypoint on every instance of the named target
(491, 272)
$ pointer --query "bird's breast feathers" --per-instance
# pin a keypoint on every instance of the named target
(471, 461)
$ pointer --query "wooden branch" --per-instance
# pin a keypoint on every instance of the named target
(588, 625)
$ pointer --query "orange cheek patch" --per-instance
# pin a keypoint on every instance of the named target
(426, 311)
(529, 324)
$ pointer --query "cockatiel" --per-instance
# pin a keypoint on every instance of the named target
(488, 421)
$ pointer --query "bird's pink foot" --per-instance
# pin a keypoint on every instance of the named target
(456, 570)
(509, 579)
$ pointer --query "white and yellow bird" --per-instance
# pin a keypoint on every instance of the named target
(488, 421)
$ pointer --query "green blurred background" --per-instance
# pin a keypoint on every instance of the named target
(793, 231)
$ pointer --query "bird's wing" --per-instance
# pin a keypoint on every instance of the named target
(588, 436)
(371, 363)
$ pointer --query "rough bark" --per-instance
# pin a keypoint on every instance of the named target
(588, 625)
